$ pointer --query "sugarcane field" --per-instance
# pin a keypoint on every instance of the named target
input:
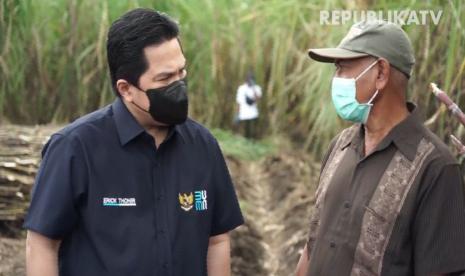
(238, 137)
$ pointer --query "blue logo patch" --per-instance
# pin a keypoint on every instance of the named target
(201, 200)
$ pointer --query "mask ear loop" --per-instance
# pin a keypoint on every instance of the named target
(370, 102)
(366, 69)
(361, 74)
(138, 106)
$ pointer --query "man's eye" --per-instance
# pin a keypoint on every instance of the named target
(165, 78)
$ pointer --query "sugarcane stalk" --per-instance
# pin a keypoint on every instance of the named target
(460, 147)
(453, 107)
(455, 110)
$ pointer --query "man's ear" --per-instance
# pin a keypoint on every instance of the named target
(384, 71)
(124, 89)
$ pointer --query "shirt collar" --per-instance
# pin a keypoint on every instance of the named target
(405, 135)
(127, 126)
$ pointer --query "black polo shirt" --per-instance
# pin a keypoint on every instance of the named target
(124, 207)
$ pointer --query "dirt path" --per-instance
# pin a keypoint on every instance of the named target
(276, 195)
(12, 257)
(267, 221)
(270, 223)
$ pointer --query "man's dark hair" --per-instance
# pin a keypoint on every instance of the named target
(250, 78)
(127, 38)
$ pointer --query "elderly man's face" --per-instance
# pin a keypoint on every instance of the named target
(351, 68)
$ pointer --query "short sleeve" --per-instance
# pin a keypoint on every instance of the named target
(439, 226)
(57, 188)
(240, 95)
(331, 146)
(258, 89)
(226, 211)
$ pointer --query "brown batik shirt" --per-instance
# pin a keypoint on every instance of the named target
(398, 211)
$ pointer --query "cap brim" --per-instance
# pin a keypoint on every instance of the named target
(331, 54)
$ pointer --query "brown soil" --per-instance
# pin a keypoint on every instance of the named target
(12, 257)
(276, 195)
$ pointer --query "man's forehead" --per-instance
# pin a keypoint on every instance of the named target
(168, 65)
(165, 51)
(165, 59)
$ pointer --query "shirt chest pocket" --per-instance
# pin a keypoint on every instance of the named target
(192, 200)
(121, 192)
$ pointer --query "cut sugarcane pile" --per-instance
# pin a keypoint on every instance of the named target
(20, 148)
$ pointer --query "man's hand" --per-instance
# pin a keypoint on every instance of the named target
(41, 255)
(219, 256)
(302, 266)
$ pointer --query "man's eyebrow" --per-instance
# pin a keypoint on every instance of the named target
(169, 73)
(162, 75)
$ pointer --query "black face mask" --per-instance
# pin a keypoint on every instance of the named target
(169, 105)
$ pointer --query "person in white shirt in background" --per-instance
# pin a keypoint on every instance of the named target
(247, 97)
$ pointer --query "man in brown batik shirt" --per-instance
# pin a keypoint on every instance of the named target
(391, 198)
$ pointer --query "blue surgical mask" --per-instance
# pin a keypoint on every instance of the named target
(343, 92)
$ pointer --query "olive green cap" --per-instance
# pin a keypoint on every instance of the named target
(376, 38)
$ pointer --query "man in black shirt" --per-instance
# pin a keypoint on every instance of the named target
(135, 188)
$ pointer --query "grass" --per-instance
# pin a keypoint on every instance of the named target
(242, 148)
(53, 61)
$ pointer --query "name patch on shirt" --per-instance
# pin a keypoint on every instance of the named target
(119, 201)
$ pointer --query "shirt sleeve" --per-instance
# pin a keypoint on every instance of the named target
(240, 97)
(59, 183)
(331, 146)
(226, 211)
(258, 89)
(439, 226)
